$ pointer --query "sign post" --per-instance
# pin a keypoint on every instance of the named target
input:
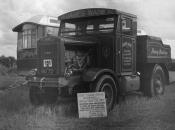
(91, 105)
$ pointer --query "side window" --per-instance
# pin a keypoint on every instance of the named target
(40, 32)
(51, 31)
(90, 28)
(29, 38)
(68, 29)
(19, 42)
(126, 26)
(107, 25)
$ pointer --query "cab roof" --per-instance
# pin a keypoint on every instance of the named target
(39, 20)
(90, 12)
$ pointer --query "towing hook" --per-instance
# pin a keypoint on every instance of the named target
(41, 82)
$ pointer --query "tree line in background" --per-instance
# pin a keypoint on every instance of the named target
(9, 62)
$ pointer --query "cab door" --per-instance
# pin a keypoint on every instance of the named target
(128, 45)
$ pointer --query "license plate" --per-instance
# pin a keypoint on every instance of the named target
(47, 63)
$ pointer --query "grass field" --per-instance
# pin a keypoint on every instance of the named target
(135, 113)
(16, 113)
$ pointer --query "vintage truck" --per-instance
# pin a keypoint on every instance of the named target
(97, 49)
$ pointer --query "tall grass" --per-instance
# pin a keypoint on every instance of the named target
(6, 71)
(16, 113)
(3, 70)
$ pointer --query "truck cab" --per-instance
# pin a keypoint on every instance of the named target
(96, 50)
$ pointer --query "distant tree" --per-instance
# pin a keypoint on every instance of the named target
(7, 61)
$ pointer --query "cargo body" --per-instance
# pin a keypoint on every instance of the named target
(151, 49)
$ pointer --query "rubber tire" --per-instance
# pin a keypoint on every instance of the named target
(43, 96)
(153, 81)
(108, 81)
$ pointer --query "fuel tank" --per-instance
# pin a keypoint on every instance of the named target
(129, 83)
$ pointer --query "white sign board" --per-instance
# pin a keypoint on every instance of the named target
(47, 63)
(92, 105)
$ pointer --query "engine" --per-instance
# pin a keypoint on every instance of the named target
(77, 60)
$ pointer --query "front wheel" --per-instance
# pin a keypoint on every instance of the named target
(107, 84)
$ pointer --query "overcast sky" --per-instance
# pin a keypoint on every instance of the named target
(156, 17)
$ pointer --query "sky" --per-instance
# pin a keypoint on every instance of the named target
(155, 17)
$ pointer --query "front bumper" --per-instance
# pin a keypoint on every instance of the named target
(65, 86)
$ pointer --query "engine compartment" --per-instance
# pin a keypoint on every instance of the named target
(78, 58)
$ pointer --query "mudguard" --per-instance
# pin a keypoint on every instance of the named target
(93, 73)
(165, 68)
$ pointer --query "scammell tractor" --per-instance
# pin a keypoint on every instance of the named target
(98, 50)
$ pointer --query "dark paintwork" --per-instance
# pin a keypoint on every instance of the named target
(128, 52)
(116, 53)
(90, 12)
(104, 41)
(27, 64)
(92, 74)
(145, 47)
(109, 45)
(51, 48)
(26, 59)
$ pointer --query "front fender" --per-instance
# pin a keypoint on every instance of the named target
(93, 73)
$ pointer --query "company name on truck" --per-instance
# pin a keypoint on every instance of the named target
(126, 56)
(157, 52)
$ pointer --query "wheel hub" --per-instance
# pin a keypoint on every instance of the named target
(107, 88)
(158, 86)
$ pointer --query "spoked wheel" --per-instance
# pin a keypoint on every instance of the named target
(107, 84)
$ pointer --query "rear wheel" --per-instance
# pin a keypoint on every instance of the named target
(107, 84)
(153, 83)
(43, 96)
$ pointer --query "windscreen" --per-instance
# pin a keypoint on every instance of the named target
(85, 26)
